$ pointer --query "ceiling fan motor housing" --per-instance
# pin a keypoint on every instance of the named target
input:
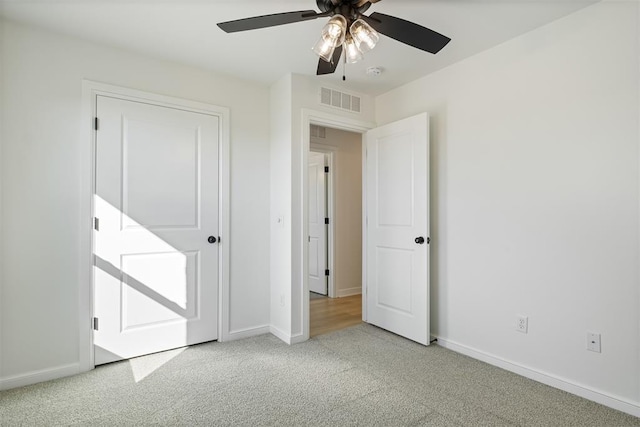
(348, 8)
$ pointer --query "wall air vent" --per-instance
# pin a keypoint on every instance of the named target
(337, 99)
(318, 131)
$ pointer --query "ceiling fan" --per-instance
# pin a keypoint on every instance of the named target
(348, 29)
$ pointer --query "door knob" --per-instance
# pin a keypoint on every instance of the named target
(419, 240)
(211, 239)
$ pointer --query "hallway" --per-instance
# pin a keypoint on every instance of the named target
(333, 314)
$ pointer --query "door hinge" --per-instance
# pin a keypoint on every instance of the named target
(95, 123)
(326, 272)
(95, 323)
(326, 221)
(96, 224)
(326, 169)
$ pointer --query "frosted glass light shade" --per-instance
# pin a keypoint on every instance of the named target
(364, 36)
(352, 52)
(335, 29)
(325, 48)
(333, 35)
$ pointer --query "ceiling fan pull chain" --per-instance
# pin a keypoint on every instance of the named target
(344, 68)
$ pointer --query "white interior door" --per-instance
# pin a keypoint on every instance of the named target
(156, 204)
(317, 226)
(397, 231)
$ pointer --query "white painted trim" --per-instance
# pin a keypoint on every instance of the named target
(90, 91)
(87, 184)
(545, 378)
(39, 376)
(279, 333)
(296, 339)
(347, 292)
(247, 333)
(638, 178)
(331, 232)
(224, 299)
(334, 121)
(365, 224)
(310, 117)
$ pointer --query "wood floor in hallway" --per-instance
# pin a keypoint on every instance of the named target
(332, 314)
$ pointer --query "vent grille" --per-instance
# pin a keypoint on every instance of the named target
(337, 99)
(318, 131)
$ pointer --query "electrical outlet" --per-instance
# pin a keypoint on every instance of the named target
(522, 324)
(593, 342)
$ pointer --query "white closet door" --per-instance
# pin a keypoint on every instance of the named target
(156, 205)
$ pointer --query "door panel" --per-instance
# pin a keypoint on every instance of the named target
(394, 180)
(167, 195)
(397, 213)
(156, 201)
(317, 227)
(393, 270)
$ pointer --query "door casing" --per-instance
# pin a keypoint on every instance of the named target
(319, 118)
(90, 91)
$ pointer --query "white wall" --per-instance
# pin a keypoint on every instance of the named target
(41, 192)
(290, 97)
(347, 172)
(306, 97)
(535, 198)
(280, 114)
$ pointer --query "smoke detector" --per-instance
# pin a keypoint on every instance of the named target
(374, 71)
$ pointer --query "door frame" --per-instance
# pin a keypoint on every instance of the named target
(90, 91)
(320, 118)
(329, 153)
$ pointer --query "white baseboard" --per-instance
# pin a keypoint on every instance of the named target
(295, 339)
(279, 333)
(247, 333)
(39, 376)
(349, 292)
(545, 378)
(289, 339)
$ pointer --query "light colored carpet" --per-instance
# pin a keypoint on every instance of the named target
(358, 376)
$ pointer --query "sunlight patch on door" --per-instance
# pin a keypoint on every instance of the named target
(158, 288)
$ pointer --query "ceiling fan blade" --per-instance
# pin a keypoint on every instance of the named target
(325, 67)
(408, 32)
(361, 3)
(268, 21)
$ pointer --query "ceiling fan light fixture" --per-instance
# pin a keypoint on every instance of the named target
(335, 29)
(364, 36)
(333, 35)
(352, 51)
(324, 49)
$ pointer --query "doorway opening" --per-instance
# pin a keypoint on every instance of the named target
(335, 229)
(395, 218)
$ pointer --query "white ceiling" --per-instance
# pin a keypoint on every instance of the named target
(185, 31)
